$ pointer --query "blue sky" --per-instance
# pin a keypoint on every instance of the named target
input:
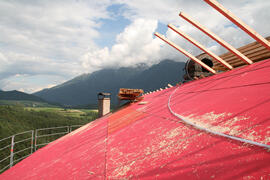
(45, 43)
(110, 28)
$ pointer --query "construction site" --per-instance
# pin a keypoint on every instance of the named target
(213, 125)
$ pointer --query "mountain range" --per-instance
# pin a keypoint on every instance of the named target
(19, 96)
(83, 90)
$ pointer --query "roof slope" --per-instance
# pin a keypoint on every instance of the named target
(147, 141)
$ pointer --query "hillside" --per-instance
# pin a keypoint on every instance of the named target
(15, 119)
(19, 96)
(83, 89)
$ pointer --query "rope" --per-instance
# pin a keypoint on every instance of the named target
(211, 131)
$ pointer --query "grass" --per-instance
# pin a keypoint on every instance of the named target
(18, 118)
(62, 111)
(25, 103)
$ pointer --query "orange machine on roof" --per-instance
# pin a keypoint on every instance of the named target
(130, 94)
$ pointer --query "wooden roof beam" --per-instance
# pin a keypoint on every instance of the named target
(196, 43)
(239, 23)
(216, 38)
(185, 52)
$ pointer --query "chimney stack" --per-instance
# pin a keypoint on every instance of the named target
(104, 101)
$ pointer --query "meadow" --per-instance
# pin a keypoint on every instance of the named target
(19, 118)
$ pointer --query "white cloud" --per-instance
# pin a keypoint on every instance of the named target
(253, 12)
(46, 37)
(55, 30)
(134, 45)
(30, 83)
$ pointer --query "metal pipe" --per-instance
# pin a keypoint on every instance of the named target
(17, 152)
(212, 131)
(239, 23)
(5, 159)
(17, 142)
(36, 131)
(61, 127)
(32, 141)
(196, 43)
(22, 158)
(52, 134)
(2, 170)
(11, 152)
(216, 38)
(185, 53)
(4, 147)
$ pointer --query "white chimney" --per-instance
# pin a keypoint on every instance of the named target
(104, 102)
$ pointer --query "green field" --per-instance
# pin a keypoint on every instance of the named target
(65, 112)
(25, 103)
(18, 118)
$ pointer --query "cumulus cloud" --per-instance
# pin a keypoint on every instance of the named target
(252, 12)
(47, 37)
(28, 83)
(134, 45)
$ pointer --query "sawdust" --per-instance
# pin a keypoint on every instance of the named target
(218, 123)
(91, 172)
(165, 142)
(248, 177)
(173, 133)
(147, 151)
(266, 140)
(122, 171)
(142, 109)
(162, 144)
(208, 120)
(143, 103)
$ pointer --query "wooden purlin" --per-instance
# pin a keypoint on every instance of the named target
(254, 51)
(216, 38)
(185, 53)
(239, 23)
(197, 44)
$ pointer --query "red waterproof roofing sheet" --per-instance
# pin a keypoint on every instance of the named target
(146, 141)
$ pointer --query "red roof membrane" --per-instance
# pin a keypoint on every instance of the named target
(146, 141)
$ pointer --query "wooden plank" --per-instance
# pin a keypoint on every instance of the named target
(236, 63)
(197, 44)
(129, 94)
(249, 54)
(185, 53)
(245, 48)
(244, 51)
(254, 51)
(216, 38)
(252, 55)
(238, 22)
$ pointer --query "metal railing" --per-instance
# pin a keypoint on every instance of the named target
(15, 148)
